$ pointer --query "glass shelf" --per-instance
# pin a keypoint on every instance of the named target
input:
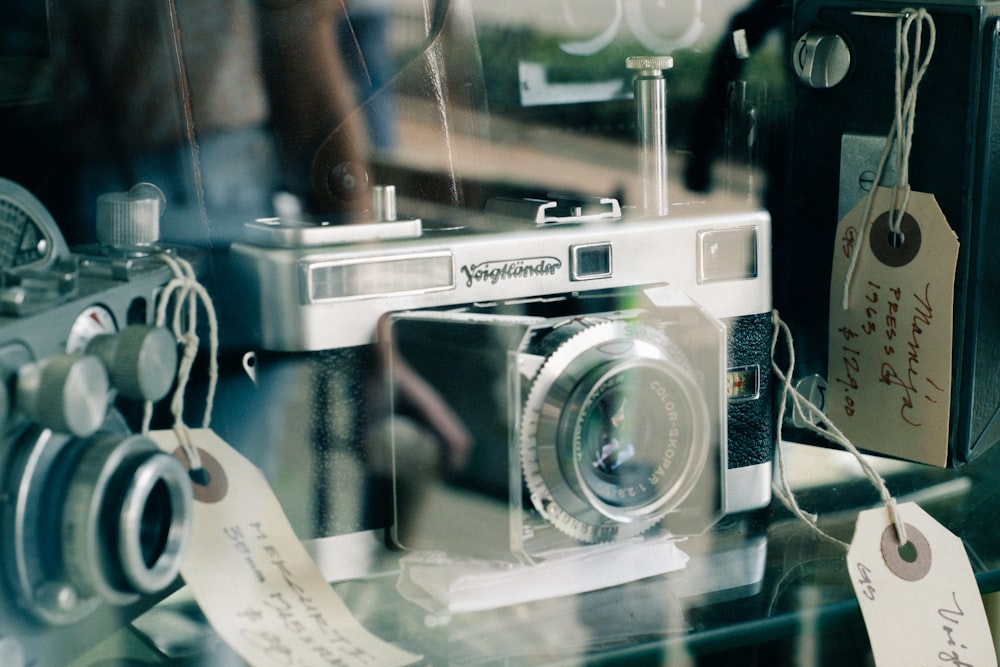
(760, 586)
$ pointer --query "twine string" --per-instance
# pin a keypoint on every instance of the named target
(186, 294)
(816, 421)
(909, 72)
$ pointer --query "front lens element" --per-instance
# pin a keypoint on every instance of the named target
(615, 432)
(127, 518)
(633, 433)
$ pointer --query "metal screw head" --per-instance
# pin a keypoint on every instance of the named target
(57, 595)
(348, 181)
(866, 181)
(650, 64)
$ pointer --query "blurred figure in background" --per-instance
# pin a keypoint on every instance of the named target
(363, 37)
(219, 104)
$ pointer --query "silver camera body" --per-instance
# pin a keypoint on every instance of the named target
(681, 303)
(95, 517)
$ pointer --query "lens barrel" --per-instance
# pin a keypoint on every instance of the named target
(125, 522)
(615, 430)
(96, 520)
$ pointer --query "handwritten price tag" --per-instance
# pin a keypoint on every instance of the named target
(254, 580)
(890, 352)
(920, 603)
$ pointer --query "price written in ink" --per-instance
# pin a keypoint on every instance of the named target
(890, 335)
(890, 328)
(306, 636)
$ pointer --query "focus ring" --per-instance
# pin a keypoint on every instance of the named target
(558, 489)
(101, 526)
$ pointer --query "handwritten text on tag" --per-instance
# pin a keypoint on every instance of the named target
(921, 604)
(254, 580)
(890, 352)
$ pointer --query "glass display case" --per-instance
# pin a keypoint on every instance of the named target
(490, 296)
(761, 589)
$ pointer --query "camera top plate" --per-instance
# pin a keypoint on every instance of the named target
(312, 297)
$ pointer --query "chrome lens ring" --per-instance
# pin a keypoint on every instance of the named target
(155, 523)
(553, 418)
(123, 494)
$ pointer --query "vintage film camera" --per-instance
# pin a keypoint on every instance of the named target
(95, 518)
(611, 370)
(843, 53)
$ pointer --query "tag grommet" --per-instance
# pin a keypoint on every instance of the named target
(218, 484)
(901, 252)
(904, 568)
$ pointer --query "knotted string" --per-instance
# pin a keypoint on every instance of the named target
(909, 73)
(817, 422)
(184, 322)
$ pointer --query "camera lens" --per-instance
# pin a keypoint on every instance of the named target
(101, 519)
(627, 436)
(615, 431)
(125, 524)
(152, 522)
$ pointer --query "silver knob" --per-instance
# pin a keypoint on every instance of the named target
(141, 360)
(65, 393)
(653, 65)
(821, 58)
(130, 219)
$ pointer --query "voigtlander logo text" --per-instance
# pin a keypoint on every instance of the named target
(515, 269)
